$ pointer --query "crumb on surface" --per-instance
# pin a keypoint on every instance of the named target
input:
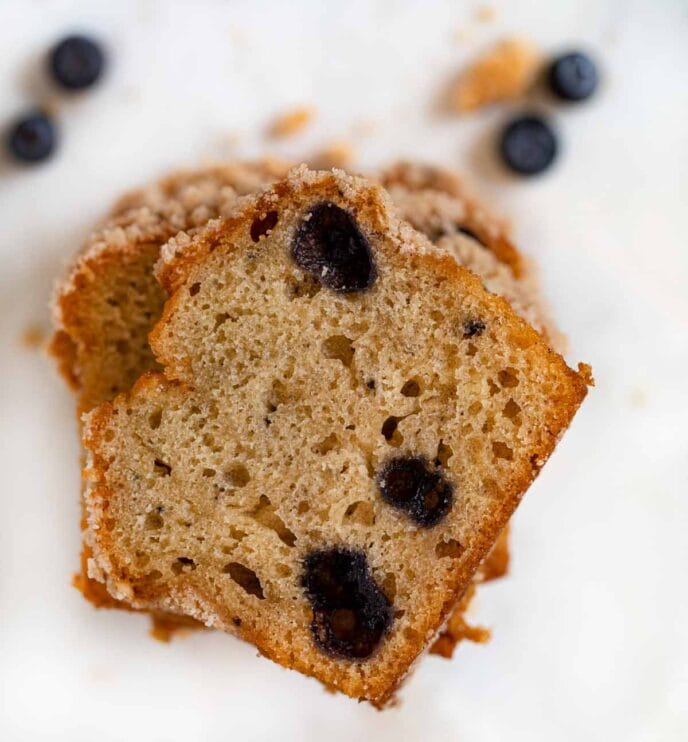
(504, 72)
(33, 336)
(338, 154)
(485, 14)
(292, 122)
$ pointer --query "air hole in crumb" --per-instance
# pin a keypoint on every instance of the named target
(220, 319)
(449, 548)
(390, 431)
(236, 621)
(303, 507)
(209, 472)
(156, 574)
(473, 328)
(494, 388)
(411, 388)
(237, 475)
(244, 577)
(389, 586)
(161, 468)
(109, 435)
(283, 570)
(278, 395)
(183, 565)
(361, 512)
(236, 533)
(154, 419)
(154, 520)
(511, 410)
(508, 377)
(502, 451)
(339, 347)
(261, 226)
(194, 289)
(475, 408)
(307, 287)
(264, 513)
(370, 384)
(327, 444)
(471, 349)
(437, 316)
(444, 453)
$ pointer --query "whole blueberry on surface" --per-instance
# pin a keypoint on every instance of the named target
(76, 62)
(572, 76)
(32, 138)
(528, 145)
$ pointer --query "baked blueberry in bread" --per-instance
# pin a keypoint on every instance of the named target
(327, 454)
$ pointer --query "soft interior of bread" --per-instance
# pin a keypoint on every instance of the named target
(282, 402)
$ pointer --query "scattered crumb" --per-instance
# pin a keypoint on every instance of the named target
(292, 122)
(585, 371)
(33, 336)
(503, 72)
(337, 154)
(485, 14)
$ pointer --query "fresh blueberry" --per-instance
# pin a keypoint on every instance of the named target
(528, 145)
(572, 76)
(32, 138)
(76, 62)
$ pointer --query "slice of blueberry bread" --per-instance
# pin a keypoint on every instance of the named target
(111, 301)
(344, 423)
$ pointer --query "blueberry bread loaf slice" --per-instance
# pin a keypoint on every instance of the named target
(344, 423)
(111, 300)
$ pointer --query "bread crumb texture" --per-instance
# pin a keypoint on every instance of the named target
(503, 72)
(344, 423)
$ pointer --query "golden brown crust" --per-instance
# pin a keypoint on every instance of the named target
(490, 230)
(180, 265)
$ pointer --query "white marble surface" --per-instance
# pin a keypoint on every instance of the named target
(590, 630)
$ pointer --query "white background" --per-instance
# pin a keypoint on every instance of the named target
(590, 630)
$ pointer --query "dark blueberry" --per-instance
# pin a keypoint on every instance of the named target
(572, 77)
(76, 62)
(412, 486)
(528, 145)
(330, 246)
(351, 614)
(32, 139)
(473, 327)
